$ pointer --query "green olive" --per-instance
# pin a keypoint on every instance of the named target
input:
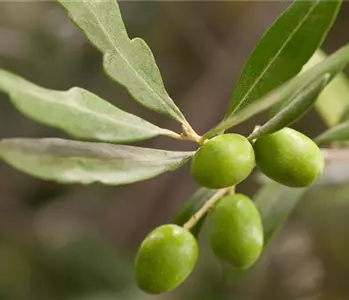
(166, 257)
(223, 161)
(289, 157)
(235, 231)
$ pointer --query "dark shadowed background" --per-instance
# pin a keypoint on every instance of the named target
(73, 242)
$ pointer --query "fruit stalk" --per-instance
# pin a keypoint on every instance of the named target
(203, 210)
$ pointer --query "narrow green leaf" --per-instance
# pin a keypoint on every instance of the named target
(332, 65)
(293, 109)
(336, 133)
(283, 50)
(195, 202)
(344, 115)
(275, 202)
(333, 102)
(76, 111)
(128, 61)
(69, 161)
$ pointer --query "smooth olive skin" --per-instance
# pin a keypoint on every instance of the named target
(235, 231)
(289, 157)
(165, 259)
(223, 161)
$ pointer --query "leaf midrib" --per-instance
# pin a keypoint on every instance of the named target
(129, 64)
(32, 90)
(84, 110)
(112, 159)
(275, 57)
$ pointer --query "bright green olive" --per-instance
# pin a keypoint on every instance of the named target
(235, 231)
(223, 161)
(166, 257)
(289, 157)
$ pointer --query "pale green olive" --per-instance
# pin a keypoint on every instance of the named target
(223, 161)
(165, 258)
(289, 157)
(235, 231)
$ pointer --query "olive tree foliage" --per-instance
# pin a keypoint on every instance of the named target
(280, 75)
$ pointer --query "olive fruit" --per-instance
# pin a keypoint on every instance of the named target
(223, 161)
(166, 257)
(289, 157)
(235, 231)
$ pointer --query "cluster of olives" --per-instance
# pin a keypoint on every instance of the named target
(169, 253)
(286, 156)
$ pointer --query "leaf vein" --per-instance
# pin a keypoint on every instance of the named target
(275, 56)
(127, 62)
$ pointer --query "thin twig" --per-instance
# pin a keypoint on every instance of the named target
(231, 190)
(188, 134)
(203, 210)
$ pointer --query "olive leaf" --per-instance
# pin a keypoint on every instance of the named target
(337, 133)
(278, 56)
(333, 101)
(77, 111)
(293, 109)
(69, 161)
(191, 206)
(128, 61)
(332, 66)
(275, 202)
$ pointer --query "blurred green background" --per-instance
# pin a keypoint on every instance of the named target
(78, 242)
